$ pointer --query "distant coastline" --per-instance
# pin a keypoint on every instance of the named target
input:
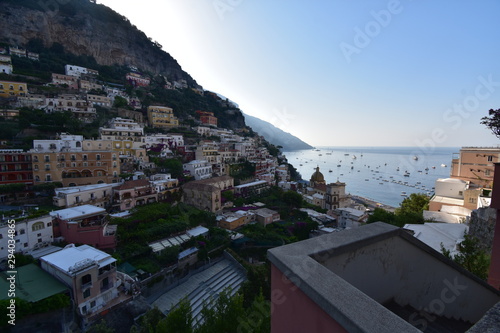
(383, 175)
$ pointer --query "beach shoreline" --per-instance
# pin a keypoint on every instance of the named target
(370, 203)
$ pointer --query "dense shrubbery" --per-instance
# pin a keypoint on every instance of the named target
(157, 221)
(410, 211)
(25, 308)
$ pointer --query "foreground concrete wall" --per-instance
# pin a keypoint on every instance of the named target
(399, 270)
(294, 311)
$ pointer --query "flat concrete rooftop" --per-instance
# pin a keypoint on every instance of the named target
(351, 274)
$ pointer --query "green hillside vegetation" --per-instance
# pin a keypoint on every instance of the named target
(410, 211)
(158, 221)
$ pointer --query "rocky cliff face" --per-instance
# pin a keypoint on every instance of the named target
(85, 28)
(482, 225)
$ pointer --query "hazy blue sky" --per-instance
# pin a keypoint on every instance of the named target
(341, 73)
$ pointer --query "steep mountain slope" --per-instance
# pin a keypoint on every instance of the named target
(86, 28)
(275, 135)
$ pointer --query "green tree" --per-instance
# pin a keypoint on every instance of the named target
(120, 102)
(292, 199)
(172, 165)
(169, 255)
(178, 320)
(408, 217)
(416, 202)
(149, 322)
(492, 121)
(223, 316)
(382, 215)
(101, 327)
(258, 316)
(470, 256)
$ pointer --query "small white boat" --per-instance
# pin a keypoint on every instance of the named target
(444, 165)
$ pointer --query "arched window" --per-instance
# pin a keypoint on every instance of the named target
(37, 226)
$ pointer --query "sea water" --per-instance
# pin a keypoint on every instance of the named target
(383, 174)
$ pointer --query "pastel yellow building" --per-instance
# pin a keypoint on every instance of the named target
(12, 89)
(162, 117)
(129, 148)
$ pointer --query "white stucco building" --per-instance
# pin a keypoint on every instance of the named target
(30, 234)
(199, 169)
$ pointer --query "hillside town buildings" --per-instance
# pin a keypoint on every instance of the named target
(470, 182)
(79, 71)
(13, 89)
(30, 234)
(162, 117)
(206, 194)
(137, 80)
(113, 173)
(74, 161)
(5, 64)
(199, 169)
(475, 165)
(134, 193)
(99, 195)
(15, 167)
(86, 224)
(207, 118)
(89, 273)
(164, 185)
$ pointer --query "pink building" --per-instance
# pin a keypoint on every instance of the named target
(266, 216)
(137, 80)
(85, 224)
(378, 278)
(61, 79)
(476, 165)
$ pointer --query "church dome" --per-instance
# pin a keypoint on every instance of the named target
(317, 177)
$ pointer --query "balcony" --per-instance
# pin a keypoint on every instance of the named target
(86, 285)
(106, 270)
(106, 287)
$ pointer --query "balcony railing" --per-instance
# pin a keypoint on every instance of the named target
(86, 285)
(107, 287)
(103, 271)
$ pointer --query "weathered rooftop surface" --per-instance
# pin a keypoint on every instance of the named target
(350, 274)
